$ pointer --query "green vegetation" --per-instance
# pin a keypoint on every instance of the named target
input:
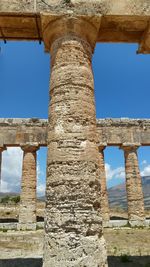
(16, 199)
(127, 225)
(115, 250)
(67, 1)
(147, 265)
(4, 230)
(10, 200)
(38, 227)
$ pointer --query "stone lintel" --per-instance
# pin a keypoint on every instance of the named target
(112, 132)
(78, 7)
(122, 21)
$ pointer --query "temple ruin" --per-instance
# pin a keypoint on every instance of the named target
(70, 30)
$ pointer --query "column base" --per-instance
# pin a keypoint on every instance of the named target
(90, 251)
(26, 226)
(137, 223)
(106, 223)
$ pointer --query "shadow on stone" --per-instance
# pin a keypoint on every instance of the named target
(8, 220)
(117, 218)
(40, 219)
(122, 261)
(129, 261)
(21, 263)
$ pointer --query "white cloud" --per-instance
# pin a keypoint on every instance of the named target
(4, 186)
(146, 171)
(114, 173)
(144, 162)
(40, 185)
(41, 189)
(11, 170)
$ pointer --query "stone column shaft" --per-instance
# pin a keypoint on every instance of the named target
(27, 212)
(104, 194)
(135, 198)
(2, 148)
(73, 225)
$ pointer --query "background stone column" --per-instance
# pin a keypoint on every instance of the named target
(27, 211)
(73, 224)
(2, 148)
(104, 194)
(133, 185)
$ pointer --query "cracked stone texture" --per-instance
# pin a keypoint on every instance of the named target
(112, 132)
(104, 194)
(73, 225)
(115, 7)
(133, 186)
(17, 5)
(27, 210)
(115, 132)
(16, 132)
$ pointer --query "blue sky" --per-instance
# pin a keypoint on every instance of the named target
(122, 89)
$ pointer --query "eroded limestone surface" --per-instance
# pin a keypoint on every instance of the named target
(17, 6)
(112, 132)
(73, 224)
(104, 195)
(133, 186)
(27, 213)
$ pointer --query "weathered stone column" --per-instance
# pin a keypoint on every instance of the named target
(27, 212)
(133, 185)
(2, 148)
(73, 225)
(104, 194)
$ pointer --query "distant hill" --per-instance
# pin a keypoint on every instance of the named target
(117, 194)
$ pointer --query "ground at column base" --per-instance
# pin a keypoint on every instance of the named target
(137, 223)
(26, 226)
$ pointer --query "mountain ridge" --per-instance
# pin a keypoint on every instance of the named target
(117, 194)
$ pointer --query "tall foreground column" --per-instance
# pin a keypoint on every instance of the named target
(73, 225)
(27, 211)
(2, 148)
(133, 186)
(104, 194)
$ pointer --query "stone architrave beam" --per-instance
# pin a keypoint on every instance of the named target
(122, 20)
(135, 197)
(114, 132)
(27, 211)
(73, 223)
